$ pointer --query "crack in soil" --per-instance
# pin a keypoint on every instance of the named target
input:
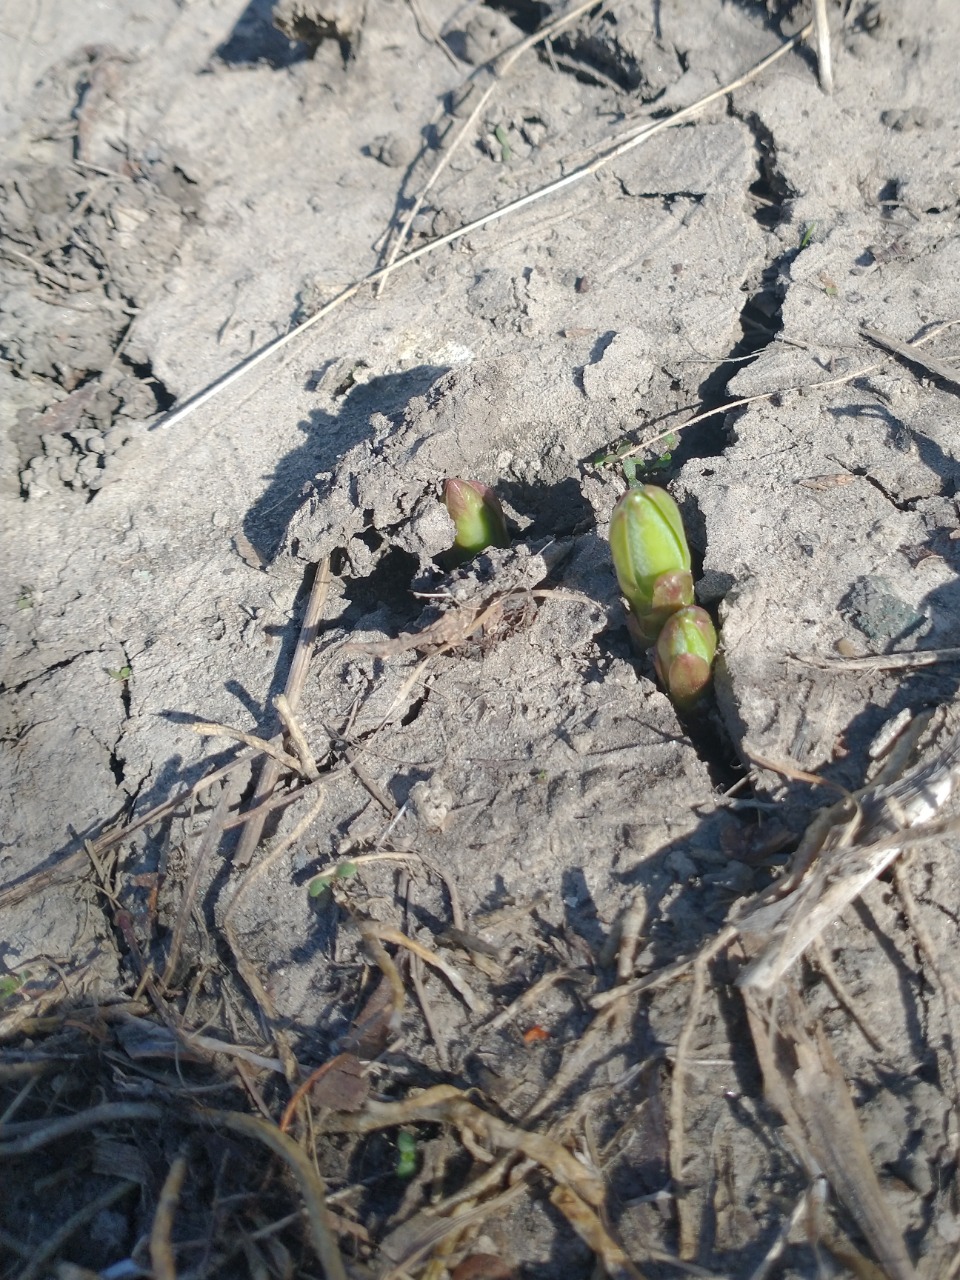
(47, 671)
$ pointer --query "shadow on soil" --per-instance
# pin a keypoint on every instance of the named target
(328, 436)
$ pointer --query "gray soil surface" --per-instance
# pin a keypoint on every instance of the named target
(181, 184)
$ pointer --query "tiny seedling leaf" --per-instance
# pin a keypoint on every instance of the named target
(406, 1154)
(10, 984)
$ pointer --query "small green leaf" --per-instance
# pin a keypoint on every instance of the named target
(500, 134)
(477, 517)
(406, 1155)
(651, 556)
(342, 871)
(807, 236)
(10, 984)
(122, 673)
(684, 655)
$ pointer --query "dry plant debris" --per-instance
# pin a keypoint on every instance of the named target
(554, 1074)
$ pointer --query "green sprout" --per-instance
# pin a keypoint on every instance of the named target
(636, 472)
(651, 557)
(25, 599)
(406, 1165)
(652, 561)
(807, 236)
(500, 134)
(121, 673)
(684, 655)
(10, 984)
(343, 871)
(477, 517)
(663, 459)
(608, 456)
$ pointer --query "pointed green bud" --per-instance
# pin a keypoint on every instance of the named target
(684, 655)
(477, 515)
(651, 556)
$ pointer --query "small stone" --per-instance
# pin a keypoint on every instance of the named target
(55, 444)
(67, 469)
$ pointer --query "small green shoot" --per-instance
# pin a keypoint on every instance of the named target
(651, 557)
(500, 134)
(343, 871)
(686, 648)
(477, 518)
(807, 236)
(25, 599)
(121, 673)
(636, 471)
(10, 984)
(406, 1165)
(607, 457)
(652, 562)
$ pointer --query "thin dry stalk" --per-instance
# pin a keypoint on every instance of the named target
(634, 139)
(882, 661)
(908, 351)
(429, 33)
(826, 966)
(499, 67)
(444, 1104)
(688, 1227)
(388, 933)
(297, 738)
(822, 40)
(385, 964)
(526, 999)
(161, 1249)
(208, 843)
(594, 1234)
(247, 971)
(581, 1057)
(278, 803)
(45, 1253)
(311, 1185)
(209, 729)
(762, 396)
(800, 1211)
(803, 1081)
(34, 1135)
(795, 921)
(296, 679)
(456, 907)
(441, 1221)
(946, 980)
(426, 1008)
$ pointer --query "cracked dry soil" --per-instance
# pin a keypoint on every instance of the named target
(181, 184)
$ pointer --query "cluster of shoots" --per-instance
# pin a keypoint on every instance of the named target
(477, 518)
(652, 560)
